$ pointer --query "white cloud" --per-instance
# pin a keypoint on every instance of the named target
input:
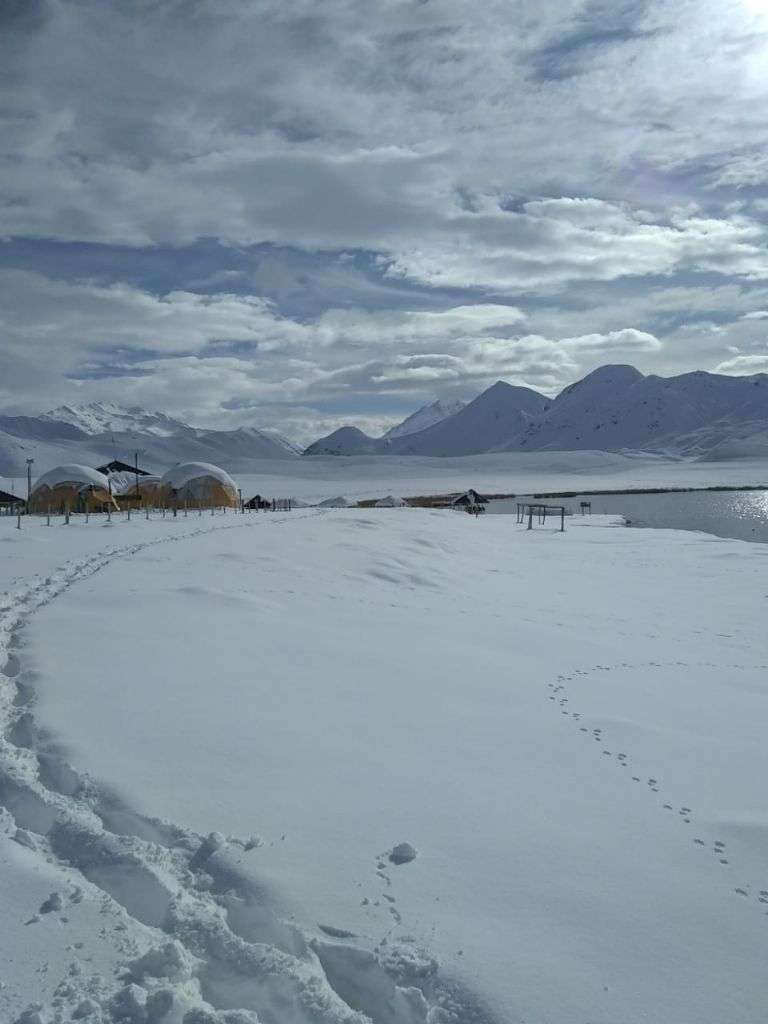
(181, 352)
(565, 156)
(386, 127)
(741, 366)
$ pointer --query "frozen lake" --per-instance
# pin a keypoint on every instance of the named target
(741, 515)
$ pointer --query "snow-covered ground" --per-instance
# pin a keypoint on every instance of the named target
(569, 730)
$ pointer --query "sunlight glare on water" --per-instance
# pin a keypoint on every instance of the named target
(742, 515)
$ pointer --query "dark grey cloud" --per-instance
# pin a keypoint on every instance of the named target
(599, 25)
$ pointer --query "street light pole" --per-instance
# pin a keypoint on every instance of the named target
(29, 481)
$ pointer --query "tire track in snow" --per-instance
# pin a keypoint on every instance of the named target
(187, 887)
(558, 694)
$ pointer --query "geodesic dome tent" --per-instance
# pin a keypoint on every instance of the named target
(198, 485)
(149, 491)
(391, 502)
(72, 488)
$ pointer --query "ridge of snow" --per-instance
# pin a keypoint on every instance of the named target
(109, 417)
(618, 408)
(426, 416)
(491, 419)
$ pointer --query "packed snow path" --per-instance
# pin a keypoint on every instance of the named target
(569, 730)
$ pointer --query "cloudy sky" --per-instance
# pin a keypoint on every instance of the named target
(299, 213)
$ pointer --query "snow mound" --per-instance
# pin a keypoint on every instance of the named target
(338, 502)
(391, 502)
(169, 961)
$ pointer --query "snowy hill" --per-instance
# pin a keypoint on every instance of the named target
(108, 417)
(616, 407)
(501, 412)
(425, 417)
(344, 441)
(491, 419)
(101, 431)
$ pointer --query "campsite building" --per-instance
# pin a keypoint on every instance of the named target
(469, 498)
(72, 488)
(10, 501)
(116, 466)
(199, 485)
(148, 491)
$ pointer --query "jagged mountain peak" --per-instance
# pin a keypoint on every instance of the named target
(425, 417)
(105, 417)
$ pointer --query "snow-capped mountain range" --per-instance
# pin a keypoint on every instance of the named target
(614, 408)
(108, 417)
(100, 432)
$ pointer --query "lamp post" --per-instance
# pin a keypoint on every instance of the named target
(29, 481)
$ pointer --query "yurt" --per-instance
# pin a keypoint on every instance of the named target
(338, 502)
(72, 488)
(391, 502)
(149, 491)
(198, 485)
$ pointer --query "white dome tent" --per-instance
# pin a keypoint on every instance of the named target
(391, 501)
(148, 492)
(198, 485)
(71, 488)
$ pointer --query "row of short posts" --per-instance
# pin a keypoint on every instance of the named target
(278, 504)
(529, 509)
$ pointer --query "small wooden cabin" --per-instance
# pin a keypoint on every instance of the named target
(10, 501)
(469, 497)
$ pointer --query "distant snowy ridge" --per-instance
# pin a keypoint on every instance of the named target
(102, 431)
(425, 417)
(108, 417)
(614, 408)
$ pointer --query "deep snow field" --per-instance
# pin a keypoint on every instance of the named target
(218, 727)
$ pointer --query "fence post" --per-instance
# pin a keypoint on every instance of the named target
(66, 517)
(18, 520)
(530, 517)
